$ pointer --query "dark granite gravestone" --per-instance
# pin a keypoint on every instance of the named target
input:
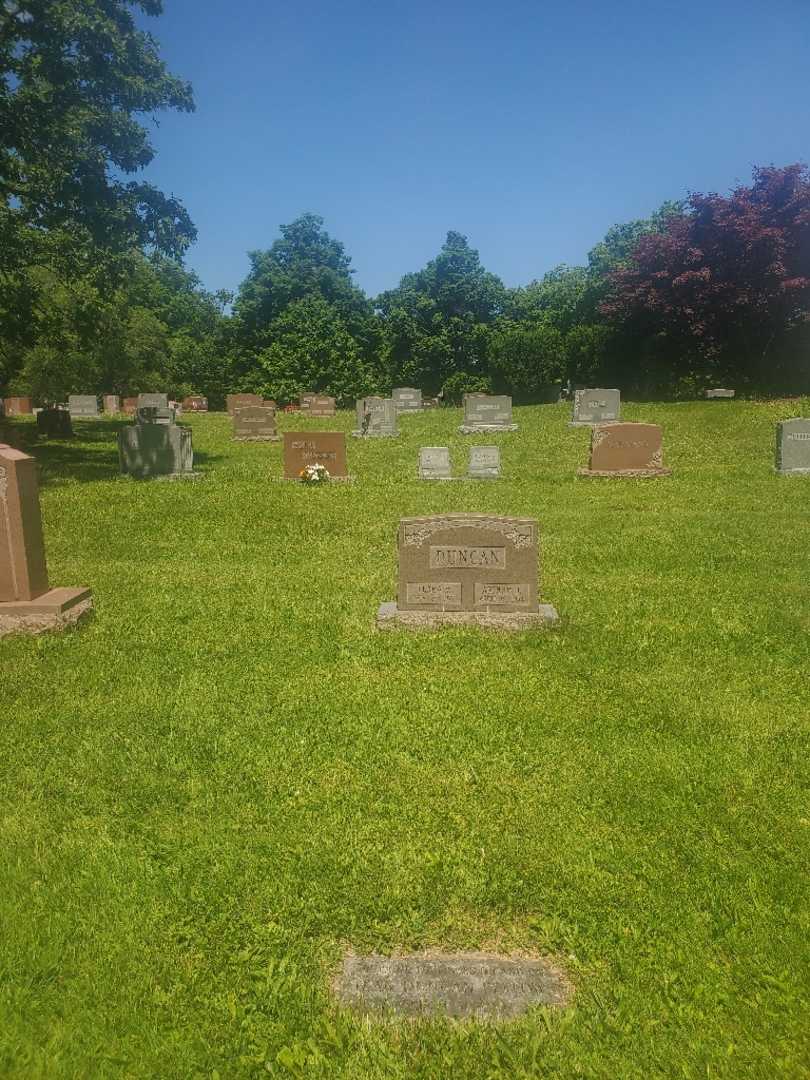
(407, 399)
(327, 448)
(54, 423)
(153, 448)
(434, 463)
(240, 401)
(485, 463)
(793, 446)
(487, 413)
(376, 418)
(718, 393)
(475, 569)
(255, 423)
(112, 404)
(27, 603)
(321, 405)
(155, 414)
(18, 406)
(83, 406)
(595, 407)
(195, 403)
(473, 985)
(625, 450)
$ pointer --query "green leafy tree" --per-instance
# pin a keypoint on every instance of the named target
(527, 357)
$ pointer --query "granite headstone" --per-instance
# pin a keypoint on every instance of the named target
(487, 413)
(625, 450)
(255, 423)
(83, 406)
(327, 448)
(434, 463)
(376, 418)
(54, 423)
(485, 463)
(596, 406)
(407, 399)
(793, 446)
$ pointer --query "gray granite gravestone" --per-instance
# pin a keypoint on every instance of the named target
(54, 423)
(255, 423)
(487, 413)
(719, 393)
(793, 446)
(376, 418)
(434, 463)
(151, 448)
(155, 414)
(485, 463)
(159, 401)
(407, 399)
(467, 569)
(595, 407)
(83, 406)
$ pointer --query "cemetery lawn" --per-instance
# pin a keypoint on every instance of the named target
(227, 777)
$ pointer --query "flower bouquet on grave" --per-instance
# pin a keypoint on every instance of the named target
(314, 474)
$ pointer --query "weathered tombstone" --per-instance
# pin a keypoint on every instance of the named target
(475, 569)
(327, 448)
(477, 985)
(83, 406)
(158, 401)
(54, 423)
(255, 423)
(407, 399)
(154, 414)
(152, 447)
(625, 450)
(129, 406)
(27, 602)
(322, 405)
(305, 400)
(719, 393)
(487, 413)
(485, 463)
(195, 403)
(376, 418)
(793, 446)
(112, 404)
(18, 406)
(596, 407)
(434, 463)
(240, 401)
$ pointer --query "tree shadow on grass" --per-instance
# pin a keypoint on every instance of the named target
(91, 455)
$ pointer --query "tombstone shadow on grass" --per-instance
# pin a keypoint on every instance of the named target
(90, 456)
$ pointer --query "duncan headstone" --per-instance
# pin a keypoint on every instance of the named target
(467, 569)
(376, 418)
(153, 448)
(596, 407)
(27, 603)
(407, 399)
(485, 463)
(487, 413)
(54, 423)
(434, 463)
(793, 446)
(83, 406)
(625, 450)
(255, 423)
(327, 448)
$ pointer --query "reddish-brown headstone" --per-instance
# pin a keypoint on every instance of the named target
(129, 406)
(112, 404)
(305, 400)
(322, 405)
(18, 406)
(626, 450)
(23, 571)
(195, 403)
(238, 401)
(254, 422)
(302, 448)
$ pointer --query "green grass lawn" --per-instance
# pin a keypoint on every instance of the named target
(227, 776)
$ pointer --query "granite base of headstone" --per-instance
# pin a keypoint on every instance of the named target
(376, 419)
(54, 424)
(83, 406)
(596, 406)
(793, 447)
(28, 604)
(434, 463)
(255, 423)
(626, 450)
(467, 570)
(484, 463)
(487, 414)
(150, 449)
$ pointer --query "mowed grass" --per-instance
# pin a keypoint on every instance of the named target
(227, 776)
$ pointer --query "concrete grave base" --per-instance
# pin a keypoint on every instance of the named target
(480, 986)
(389, 617)
(374, 434)
(792, 472)
(303, 483)
(256, 438)
(54, 610)
(485, 429)
(591, 423)
(624, 472)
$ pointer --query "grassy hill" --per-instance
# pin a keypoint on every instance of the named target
(227, 776)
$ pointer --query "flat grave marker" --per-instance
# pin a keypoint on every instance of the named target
(434, 463)
(485, 463)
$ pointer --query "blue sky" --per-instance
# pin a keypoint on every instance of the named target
(530, 127)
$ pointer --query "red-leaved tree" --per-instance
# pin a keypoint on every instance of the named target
(725, 288)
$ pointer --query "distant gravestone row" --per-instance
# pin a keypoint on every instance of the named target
(484, 463)
(407, 399)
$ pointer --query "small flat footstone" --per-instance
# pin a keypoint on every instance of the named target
(479, 985)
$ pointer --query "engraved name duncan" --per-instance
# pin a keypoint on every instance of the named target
(447, 557)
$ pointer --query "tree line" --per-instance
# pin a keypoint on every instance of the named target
(710, 290)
